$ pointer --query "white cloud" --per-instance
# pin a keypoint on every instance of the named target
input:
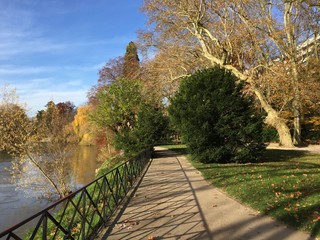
(13, 46)
(6, 70)
(14, 70)
(27, 46)
(37, 93)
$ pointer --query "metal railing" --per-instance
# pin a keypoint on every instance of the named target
(81, 214)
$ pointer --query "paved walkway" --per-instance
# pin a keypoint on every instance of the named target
(173, 201)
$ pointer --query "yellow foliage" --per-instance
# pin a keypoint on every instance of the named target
(314, 121)
(82, 126)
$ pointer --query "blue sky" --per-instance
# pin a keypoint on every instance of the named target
(52, 49)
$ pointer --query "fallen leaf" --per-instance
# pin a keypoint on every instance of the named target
(252, 214)
(121, 226)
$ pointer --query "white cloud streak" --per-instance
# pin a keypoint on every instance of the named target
(13, 70)
(36, 93)
(17, 70)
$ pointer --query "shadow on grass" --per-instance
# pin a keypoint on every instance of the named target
(298, 218)
(181, 149)
(291, 174)
(280, 155)
(270, 155)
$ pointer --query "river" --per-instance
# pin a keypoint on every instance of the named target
(15, 206)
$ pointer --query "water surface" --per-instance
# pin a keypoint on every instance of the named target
(15, 205)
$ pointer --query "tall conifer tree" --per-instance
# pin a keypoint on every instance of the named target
(131, 63)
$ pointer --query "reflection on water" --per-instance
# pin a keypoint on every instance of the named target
(15, 206)
(84, 165)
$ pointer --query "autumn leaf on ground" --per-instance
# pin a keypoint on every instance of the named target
(316, 216)
(277, 194)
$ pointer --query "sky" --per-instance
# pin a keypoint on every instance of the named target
(51, 50)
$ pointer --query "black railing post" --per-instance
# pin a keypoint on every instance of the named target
(44, 227)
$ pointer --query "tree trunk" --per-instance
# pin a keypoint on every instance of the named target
(283, 131)
(108, 142)
(290, 29)
(296, 123)
(50, 180)
(296, 105)
(275, 121)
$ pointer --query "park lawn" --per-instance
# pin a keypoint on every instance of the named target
(284, 185)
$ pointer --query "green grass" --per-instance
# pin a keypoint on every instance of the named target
(104, 201)
(285, 185)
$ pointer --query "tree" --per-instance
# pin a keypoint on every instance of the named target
(17, 130)
(244, 37)
(59, 142)
(82, 125)
(67, 110)
(151, 128)
(19, 137)
(127, 66)
(161, 74)
(118, 105)
(153, 125)
(111, 71)
(33, 142)
(131, 63)
(215, 120)
(124, 110)
(311, 101)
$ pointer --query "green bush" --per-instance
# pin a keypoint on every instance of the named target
(270, 134)
(151, 128)
(135, 121)
(215, 120)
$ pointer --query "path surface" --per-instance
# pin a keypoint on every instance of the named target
(173, 201)
(310, 148)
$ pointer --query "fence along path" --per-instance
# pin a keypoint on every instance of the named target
(173, 201)
(81, 214)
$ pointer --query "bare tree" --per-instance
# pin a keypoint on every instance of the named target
(246, 37)
(162, 73)
(34, 148)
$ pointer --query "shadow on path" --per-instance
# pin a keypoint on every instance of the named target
(172, 201)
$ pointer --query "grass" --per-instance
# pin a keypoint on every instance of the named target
(285, 185)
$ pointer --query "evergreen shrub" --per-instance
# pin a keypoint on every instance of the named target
(216, 121)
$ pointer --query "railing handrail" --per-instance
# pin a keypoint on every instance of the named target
(144, 156)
